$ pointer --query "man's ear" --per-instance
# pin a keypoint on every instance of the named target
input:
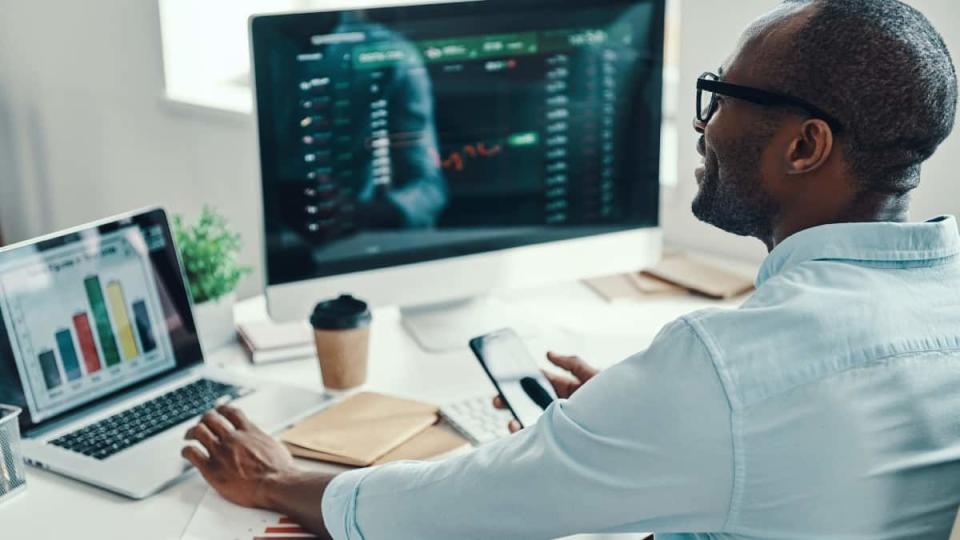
(810, 148)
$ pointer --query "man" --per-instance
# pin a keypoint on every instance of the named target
(827, 406)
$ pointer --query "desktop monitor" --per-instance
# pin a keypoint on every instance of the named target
(422, 155)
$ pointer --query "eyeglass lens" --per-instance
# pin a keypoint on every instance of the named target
(705, 105)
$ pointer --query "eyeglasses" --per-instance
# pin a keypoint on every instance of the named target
(709, 86)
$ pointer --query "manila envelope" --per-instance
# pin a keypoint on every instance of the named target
(434, 441)
(360, 429)
(700, 277)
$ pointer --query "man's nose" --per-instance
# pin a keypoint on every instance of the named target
(698, 126)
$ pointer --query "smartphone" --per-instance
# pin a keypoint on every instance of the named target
(508, 364)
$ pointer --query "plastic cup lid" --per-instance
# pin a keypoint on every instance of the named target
(340, 313)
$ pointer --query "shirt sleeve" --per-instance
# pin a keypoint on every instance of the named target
(644, 446)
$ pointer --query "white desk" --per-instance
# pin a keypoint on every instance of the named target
(574, 320)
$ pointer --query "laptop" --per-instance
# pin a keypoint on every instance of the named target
(99, 347)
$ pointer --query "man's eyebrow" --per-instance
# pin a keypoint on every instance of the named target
(720, 72)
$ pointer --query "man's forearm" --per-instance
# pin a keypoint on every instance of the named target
(299, 495)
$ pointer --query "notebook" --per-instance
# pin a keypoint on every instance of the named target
(268, 341)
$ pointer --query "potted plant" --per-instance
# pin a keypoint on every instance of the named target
(209, 249)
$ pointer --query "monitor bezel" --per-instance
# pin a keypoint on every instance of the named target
(260, 26)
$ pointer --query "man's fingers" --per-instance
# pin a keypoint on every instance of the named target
(204, 436)
(557, 380)
(513, 425)
(562, 384)
(201, 461)
(195, 457)
(217, 424)
(563, 361)
(235, 416)
(573, 364)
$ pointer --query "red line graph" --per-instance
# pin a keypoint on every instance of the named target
(459, 159)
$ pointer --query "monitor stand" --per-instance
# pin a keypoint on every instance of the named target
(449, 326)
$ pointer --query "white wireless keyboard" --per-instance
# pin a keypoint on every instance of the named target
(476, 419)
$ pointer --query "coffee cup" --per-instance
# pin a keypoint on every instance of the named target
(341, 331)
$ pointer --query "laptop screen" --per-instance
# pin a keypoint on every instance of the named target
(91, 312)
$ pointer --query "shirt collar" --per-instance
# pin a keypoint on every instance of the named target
(879, 242)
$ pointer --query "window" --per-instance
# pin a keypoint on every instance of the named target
(669, 138)
(206, 56)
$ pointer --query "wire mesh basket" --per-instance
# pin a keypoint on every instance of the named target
(12, 478)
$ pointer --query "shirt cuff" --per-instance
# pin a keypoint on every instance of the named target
(339, 504)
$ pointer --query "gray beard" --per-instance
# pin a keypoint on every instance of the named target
(731, 197)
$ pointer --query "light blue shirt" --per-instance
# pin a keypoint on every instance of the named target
(827, 406)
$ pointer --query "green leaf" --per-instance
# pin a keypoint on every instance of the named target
(209, 250)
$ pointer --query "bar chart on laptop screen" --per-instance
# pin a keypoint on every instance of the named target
(86, 318)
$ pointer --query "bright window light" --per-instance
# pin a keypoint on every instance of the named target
(206, 51)
(206, 55)
(669, 135)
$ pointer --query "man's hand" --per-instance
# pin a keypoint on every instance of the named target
(250, 468)
(237, 458)
(563, 385)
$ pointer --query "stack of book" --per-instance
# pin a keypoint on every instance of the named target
(269, 341)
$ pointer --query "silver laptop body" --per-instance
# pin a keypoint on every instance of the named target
(97, 320)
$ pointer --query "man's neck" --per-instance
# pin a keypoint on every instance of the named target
(873, 206)
(866, 207)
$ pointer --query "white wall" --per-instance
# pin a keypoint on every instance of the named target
(709, 32)
(84, 132)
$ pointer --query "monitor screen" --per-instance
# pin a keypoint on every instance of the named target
(88, 313)
(400, 135)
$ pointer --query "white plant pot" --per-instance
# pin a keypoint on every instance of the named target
(215, 325)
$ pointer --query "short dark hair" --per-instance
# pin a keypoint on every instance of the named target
(882, 69)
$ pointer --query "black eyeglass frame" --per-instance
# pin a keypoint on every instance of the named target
(756, 96)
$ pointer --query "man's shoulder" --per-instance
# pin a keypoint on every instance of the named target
(758, 348)
(820, 318)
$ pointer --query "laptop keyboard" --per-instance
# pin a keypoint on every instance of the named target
(123, 430)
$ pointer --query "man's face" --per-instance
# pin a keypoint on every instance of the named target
(731, 193)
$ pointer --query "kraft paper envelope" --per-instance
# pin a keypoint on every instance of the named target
(434, 441)
(701, 277)
(360, 429)
(631, 285)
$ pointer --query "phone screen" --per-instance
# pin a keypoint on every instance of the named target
(507, 362)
